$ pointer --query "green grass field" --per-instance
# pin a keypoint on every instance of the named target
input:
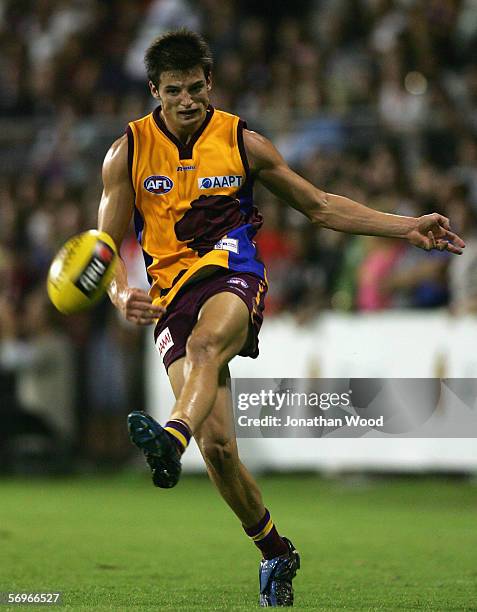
(119, 544)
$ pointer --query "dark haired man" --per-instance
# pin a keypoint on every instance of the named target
(186, 172)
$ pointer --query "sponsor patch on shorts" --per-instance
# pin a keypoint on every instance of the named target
(227, 244)
(238, 281)
(164, 342)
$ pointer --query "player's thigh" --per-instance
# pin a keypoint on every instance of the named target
(222, 327)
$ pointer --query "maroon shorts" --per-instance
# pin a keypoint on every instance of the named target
(176, 326)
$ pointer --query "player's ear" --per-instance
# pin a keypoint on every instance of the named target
(154, 91)
(208, 81)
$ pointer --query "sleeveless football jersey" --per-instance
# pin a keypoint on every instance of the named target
(194, 207)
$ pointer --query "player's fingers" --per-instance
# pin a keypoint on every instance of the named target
(146, 307)
(141, 314)
(139, 310)
(432, 240)
(455, 239)
(450, 247)
(137, 298)
(137, 295)
(143, 321)
(140, 320)
(443, 221)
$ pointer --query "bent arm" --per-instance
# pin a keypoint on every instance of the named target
(338, 212)
(115, 211)
(116, 206)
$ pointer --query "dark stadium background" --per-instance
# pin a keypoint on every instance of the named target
(373, 99)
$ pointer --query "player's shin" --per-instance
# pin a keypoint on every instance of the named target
(197, 396)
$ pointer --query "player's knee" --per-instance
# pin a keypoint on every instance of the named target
(220, 454)
(203, 346)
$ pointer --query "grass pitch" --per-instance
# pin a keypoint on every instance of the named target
(118, 543)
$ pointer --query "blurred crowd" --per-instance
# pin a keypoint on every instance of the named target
(372, 99)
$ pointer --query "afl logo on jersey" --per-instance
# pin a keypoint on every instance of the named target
(159, 185)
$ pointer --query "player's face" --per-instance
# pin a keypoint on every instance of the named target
(184, 97)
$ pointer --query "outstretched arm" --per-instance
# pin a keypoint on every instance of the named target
(115, 212)
(338, 212)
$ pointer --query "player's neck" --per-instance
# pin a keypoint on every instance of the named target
(183, 133)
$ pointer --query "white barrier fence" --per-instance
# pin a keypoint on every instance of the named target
(390, 345)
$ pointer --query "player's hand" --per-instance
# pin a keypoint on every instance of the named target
(433, 232)
(137, 307)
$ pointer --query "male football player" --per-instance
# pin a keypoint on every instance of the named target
(186, 173)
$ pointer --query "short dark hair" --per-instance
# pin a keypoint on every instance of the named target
(179, 50)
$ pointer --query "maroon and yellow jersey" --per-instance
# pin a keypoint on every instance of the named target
(194, 207)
